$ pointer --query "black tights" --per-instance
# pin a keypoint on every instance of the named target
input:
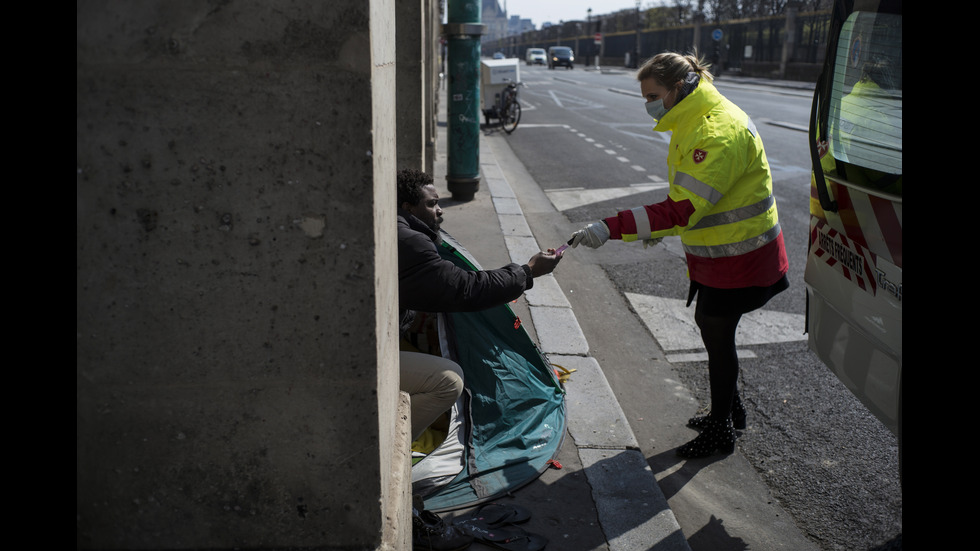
(718, 335)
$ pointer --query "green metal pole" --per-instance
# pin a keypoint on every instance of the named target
(463, 30)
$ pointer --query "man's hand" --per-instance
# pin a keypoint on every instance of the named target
(592, 236)
(543, 263)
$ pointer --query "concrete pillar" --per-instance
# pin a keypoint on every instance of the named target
(411, 99)
(417, 36)
(236, 333)
(789, 43)
(430, 79)
(698, 24)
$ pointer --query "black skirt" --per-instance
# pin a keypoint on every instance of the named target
(713, 301)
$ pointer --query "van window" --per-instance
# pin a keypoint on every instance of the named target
(865, 125)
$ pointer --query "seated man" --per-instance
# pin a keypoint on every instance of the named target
(428, 283)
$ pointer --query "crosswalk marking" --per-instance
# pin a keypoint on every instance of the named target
(570, 198)
(703, 356)
(672, 323)
(568, 101)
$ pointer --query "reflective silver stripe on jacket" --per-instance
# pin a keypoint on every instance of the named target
(735, 215)
(734, 249)
(697, 187)
(751, 126)
(643, 229)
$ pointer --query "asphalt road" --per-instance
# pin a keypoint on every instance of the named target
(587, 141)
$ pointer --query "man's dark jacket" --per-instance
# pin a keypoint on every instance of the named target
(428, 283)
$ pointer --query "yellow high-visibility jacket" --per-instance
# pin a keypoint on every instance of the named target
(720, 200)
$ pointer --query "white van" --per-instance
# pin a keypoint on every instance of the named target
(854, 262)
(535, 56)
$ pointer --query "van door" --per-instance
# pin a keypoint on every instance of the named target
(854, 261)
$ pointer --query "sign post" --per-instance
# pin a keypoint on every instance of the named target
(598, 42)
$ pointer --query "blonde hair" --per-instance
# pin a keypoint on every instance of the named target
(669, 68)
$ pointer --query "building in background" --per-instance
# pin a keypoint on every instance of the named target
(518, 25)
(495, 19)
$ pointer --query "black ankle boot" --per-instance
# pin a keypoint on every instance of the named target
(717, 436)
(738, 414)
(738, 417)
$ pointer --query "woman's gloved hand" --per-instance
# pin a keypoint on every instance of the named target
(652, 242)
(592, 236)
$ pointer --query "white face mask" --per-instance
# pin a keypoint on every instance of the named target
(656, 109)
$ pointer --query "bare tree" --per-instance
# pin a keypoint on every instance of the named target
(727, 10)
(659, 14)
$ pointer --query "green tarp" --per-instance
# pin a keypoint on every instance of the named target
(511, 419)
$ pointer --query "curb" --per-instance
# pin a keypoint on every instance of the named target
(632, 509)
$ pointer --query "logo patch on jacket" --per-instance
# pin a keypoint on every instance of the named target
(822, 148)
(700, 155)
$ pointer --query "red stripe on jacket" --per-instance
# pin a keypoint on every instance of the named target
(663, 216)
(759, 268)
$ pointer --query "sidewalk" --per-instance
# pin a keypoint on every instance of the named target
(605, 496)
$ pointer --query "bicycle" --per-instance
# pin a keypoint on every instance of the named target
(507, 109)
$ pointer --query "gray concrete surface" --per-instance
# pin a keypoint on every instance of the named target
(227, 339)
(607, 495)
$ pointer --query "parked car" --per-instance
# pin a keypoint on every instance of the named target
(536, 56)
(560, 55)
(498, 55)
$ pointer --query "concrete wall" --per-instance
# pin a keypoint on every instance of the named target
(236, 367)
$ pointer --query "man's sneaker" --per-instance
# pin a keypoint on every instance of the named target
(431, 533)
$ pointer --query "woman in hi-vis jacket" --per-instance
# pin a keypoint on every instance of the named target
(721, 205)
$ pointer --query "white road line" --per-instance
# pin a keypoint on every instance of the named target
(570, 198)
(672, 323)
(540, 125)
(703, 356)
(554, 97)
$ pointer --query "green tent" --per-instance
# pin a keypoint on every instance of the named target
(510, 421)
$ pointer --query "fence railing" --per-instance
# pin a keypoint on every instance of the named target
(750, 46)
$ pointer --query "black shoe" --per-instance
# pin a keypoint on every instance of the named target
(738, 414)
(431, 533)
(717, 436)
(738, 417)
